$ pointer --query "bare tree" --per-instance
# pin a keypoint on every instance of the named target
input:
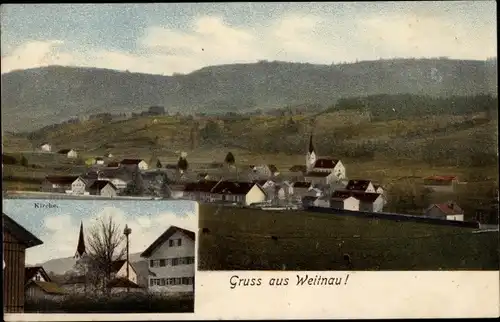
(104, 242)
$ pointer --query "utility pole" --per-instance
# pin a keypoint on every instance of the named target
(127, 231)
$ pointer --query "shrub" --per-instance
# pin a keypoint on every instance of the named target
(115, 303)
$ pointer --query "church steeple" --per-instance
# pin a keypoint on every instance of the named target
(311, 155)
(80, 248)
(311, 146)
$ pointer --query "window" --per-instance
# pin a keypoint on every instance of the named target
(154, 263)
(171, 243)
(175, 261)
(162, 281)
(162, 263)
(37, 277)
(179, 242)
(185, 281)
(151, 263)
(171, 281)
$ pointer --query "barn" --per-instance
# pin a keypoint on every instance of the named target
(16, 239)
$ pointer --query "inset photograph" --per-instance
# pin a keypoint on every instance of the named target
(99, 256)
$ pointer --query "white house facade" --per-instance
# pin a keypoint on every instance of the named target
(46, 147)
(171, 260)
(345, 203)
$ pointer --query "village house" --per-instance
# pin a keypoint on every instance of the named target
(360, 185)
(323, 178)
(99, 161)
(297, 172)
(176, 191)
(171, 261)
(39, 285)
(441, 183)
(16, 239)
(122, 285)
(102, 188)
(369, 201)
(119, 177)
(201, 191)
(80, 185)
(265, 170)
(301, 189)
(244, 193)
(316, 201)
(119, 281)
(132, 163)
(45, 147)
(58, 184)
(344, 200)
(448, 211)
(70, 153)
(119, 269)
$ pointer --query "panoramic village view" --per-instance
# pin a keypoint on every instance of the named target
(122, 260)
(378, 163)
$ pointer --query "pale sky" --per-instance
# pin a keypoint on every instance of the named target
(59, 228)
(183, 37)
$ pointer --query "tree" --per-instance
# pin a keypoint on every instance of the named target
(165, 191)
(104, 245)
(229, 158)
(136, 186)
(24, 161)
(182, 164)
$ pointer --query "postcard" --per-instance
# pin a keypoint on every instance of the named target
(257, 160)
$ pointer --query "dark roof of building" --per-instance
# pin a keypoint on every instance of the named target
(301, 184)
(113, 164)
(298, 168)
(233, 188)
(260, 182)
(48, 287)
(273, 168)
(309, 198)
(64, 151)
(317, 174)
(131, 161)
(361, 196)
(19, 232)
(99, 158)
(200, 186)
(324, 163)
(99, 184)
(61, 179)
(164, 237)
(122, 282)
(116, 265)
(357, 185)
(30, 272)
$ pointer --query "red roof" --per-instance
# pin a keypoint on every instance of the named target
(449, 208)
(324, 163)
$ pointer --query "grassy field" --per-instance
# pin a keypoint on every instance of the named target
(248, 239)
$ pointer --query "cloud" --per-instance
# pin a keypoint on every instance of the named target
(60, 233)
(293, 37)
